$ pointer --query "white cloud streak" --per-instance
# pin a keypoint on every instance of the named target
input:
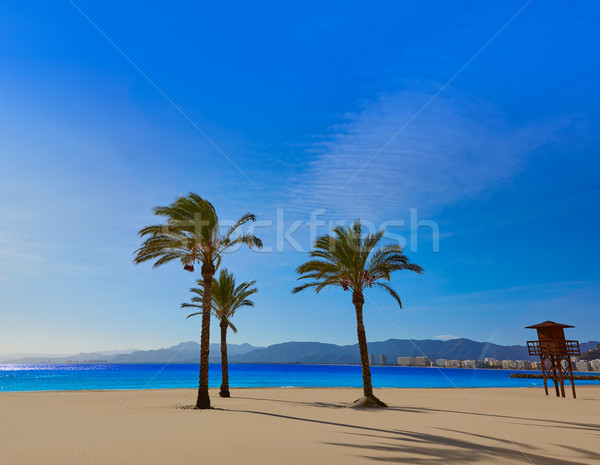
(455, 150)
(446, 337)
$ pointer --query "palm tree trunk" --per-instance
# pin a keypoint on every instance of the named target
(224, 392)
(358, 301)
(208, 271)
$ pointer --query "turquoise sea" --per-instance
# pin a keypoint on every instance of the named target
(42, 377)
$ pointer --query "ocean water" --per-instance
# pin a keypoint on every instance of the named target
(41, 377)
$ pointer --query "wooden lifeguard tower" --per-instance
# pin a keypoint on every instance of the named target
(555, 354)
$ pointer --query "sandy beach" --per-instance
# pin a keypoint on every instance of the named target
(301, 426)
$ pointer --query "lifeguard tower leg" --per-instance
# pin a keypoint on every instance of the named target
(571, 378)
(561, 378)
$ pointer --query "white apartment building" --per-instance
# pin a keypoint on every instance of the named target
(582, 365)
(406, 361)
(422, 362)
(509, 365)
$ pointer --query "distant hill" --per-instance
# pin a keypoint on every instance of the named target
(310, 352)
(298, 352)
(591, 354)
(317, 352)
(185, 352)
(104, 356)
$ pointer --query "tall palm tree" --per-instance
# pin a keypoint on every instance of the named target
(348, 260)
(191, 234)
(227, 298)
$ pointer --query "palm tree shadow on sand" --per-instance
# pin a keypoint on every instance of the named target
(402, 446)
(428, 448)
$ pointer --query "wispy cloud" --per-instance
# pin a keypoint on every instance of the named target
(457, 149)
(446, 337)
(538, 289)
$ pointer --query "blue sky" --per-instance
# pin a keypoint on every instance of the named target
(299, 97)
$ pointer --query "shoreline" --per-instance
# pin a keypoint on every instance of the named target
(285, 388)
(253, 363)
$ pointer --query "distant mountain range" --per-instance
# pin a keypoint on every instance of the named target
(185, 352)
(306, 352)
(316, 352)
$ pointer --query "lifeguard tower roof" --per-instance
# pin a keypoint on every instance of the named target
(549, 324)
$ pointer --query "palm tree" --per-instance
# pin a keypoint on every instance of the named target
(352, 262)
(226, 299)
(191, 234)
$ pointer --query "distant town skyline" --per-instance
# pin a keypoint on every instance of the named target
(469, 134)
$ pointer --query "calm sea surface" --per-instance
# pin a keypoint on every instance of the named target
(42, 377)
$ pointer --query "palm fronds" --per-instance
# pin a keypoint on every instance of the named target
(226, 296)
(348, 259)
(190, 234)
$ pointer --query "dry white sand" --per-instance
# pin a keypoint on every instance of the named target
(301, 426)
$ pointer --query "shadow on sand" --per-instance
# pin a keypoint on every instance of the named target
(403, 446)
(428, 448)
(297, 402)
(540, 422)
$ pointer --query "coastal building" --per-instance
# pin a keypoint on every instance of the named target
(509, 365)
(371, 359)
(582, 365)
(406, 361)
(595, 365)
(382, 359)
(490, 362)
(524, 365)
(486, 363)
(422, 362)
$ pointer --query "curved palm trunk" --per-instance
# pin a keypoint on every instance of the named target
(358, 301)
(224, 392)
(203, 401)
